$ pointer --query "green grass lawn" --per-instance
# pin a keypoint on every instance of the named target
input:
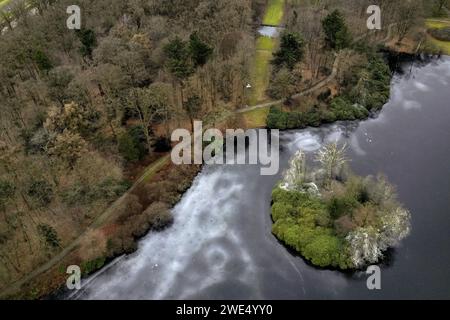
(256, 118)
(442, 23)
(3, 2)
(274, 12)
(260, 76)
(265, 46)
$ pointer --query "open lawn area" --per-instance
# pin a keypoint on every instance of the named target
(256, 118)
(260, 74)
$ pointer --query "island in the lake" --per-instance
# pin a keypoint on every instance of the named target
(334, 218)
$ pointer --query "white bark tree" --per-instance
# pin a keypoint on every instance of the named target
(295, 176)
(332, 158)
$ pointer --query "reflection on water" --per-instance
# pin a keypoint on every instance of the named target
(220, 245)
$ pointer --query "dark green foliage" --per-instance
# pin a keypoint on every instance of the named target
(340, 109)
(302, 222)
(87, 267)
(178, 59)
(88, 40)
(127, 147)
(193, 106)
(345, 110)
(339, 206)
(291, 50)
(277, 119)
(132, 144)
(319, 226)
(199, 50)
(41, 191)
(370, 85)
(337, 35)
(42, 60)
(49, 235)
(366, 90)
(110, 188)
(324, 95)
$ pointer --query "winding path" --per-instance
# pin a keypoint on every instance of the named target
(321, 83)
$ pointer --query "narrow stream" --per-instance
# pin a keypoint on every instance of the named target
(221, 247)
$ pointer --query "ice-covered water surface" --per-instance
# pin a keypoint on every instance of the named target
(206, 238)
(220, 245)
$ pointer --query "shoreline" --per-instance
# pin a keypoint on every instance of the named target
(48, 290)
(372, 115)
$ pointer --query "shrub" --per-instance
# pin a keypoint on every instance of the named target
(337, 35)
(339, 206)
(130, 206)
(158, 215)
(344, 110)
(49, 235)
(291, 50)
(7, 190)
(87, 267)
(107, 189)
(127, 147)
(345, 224)
(324, 95)
(41, 191)
(132, 144)
(323, 250)
(281, 210)
(276, 119)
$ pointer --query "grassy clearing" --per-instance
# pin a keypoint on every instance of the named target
(256, 118)
(265, 43)
(260, 72)
(260, 76)
(274, 13)
(438, 24)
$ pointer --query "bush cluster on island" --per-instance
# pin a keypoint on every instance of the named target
(333, 218)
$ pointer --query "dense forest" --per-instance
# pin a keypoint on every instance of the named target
(84, 112)
(81, 107)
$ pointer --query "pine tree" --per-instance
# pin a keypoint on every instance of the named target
(337, 35)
